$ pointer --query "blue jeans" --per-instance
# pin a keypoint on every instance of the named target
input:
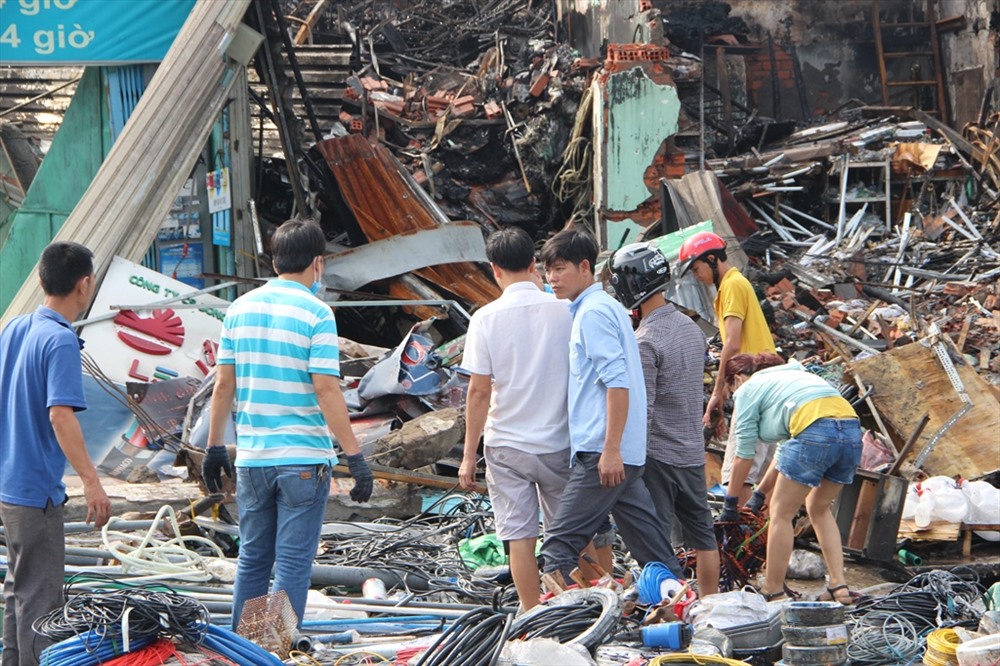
(828, 449)
(281, 515)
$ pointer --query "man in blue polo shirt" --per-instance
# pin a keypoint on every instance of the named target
(41, 389)
(279, 358)
(607, 418)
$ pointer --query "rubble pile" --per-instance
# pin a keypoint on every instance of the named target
(872, 238)
(878, 228)
(477, 104)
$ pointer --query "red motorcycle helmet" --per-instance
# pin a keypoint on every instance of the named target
(696, 247)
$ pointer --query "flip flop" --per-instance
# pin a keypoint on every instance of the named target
(785, 592)
(831, 592)
(792, 594)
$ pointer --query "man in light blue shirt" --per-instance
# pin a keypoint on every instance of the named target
(607, 418)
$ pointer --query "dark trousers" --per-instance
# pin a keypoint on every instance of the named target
(34, 584)
(585, 506)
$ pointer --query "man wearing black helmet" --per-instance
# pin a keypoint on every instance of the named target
(672, 351)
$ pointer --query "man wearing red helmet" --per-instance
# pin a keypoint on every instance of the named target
(742, 328)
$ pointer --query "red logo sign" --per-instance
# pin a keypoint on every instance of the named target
(146, 334)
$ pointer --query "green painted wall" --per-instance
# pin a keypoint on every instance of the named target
(77, 151)
(633, 116)
(641, 114)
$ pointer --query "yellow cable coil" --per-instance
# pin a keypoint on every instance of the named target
(941, 646)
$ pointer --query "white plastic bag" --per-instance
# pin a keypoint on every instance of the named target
(543, 651)
(728, 609)
(984, 506)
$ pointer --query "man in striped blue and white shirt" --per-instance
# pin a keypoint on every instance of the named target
(279, 358)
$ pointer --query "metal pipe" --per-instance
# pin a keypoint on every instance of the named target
(113, 524)
(399, 606)
(157, 304)
(326, 574)
(846, 339)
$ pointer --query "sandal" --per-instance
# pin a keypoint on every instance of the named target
(831, 592)
(785, 592)
(792, 594)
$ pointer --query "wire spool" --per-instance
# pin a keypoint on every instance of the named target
(941, 647)
(657, 582)
(812, 613)
(827, 655)
(831, 634)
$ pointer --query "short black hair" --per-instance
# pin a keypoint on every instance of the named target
(295, 244)
(718, 254)
(511, 249)
(62, 265)
(572, 245)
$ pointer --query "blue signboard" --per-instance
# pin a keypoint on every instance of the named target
(184, 262)
(88, 32)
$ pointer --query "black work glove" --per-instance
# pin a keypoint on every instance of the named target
(363, 479)
(756, 502)
(215, 463)
(730, 510)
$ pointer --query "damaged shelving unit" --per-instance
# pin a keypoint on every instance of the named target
(879, 171)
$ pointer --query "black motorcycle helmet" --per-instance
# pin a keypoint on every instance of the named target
(638, 271)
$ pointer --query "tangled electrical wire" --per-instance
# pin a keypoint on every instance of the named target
(895, 626)
(475, 639)
(154, 431)
(425, 546)
(586, 617)
(109, 622)
(743, 549)
(562, 623)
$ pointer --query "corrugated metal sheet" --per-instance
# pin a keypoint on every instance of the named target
(406, 251)
(386, 202)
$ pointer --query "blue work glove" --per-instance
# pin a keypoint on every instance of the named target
(215, 463)
(363, 479)
(730, 510)
(756, 502)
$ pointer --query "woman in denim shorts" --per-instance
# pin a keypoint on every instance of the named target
(777, 401)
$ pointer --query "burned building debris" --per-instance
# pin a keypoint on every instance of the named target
(848, 154)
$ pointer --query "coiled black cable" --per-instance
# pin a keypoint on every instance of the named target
(475, 639)
(561, 623)
(144, 612)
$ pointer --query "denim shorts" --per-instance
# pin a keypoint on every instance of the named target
(828, 449)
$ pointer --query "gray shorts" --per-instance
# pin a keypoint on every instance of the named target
(520, 484)
(761, 459)
(681, 498)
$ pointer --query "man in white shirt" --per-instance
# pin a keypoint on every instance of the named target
(515, 352)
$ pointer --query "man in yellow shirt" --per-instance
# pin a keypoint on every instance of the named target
(742, 328)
